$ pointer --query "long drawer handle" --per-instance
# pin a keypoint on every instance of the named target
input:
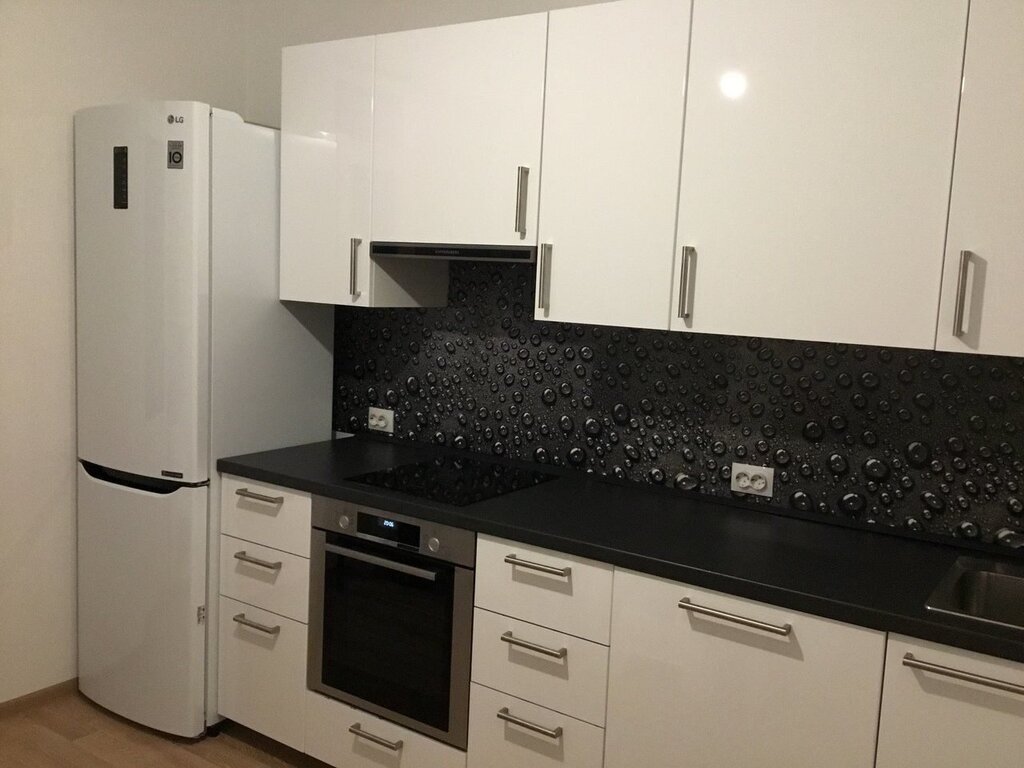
(356, 730)
(956, 674)
(684, 283)
(245, 558)
(544, 277)
(245, 493)
(240, 618)
(531, 566)
(508, 637)
(551, 733)
(961, 294)
(775, 629)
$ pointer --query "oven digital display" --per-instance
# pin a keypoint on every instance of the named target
(406, 534)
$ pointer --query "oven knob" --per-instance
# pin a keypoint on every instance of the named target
(433, 544)
(344, 521)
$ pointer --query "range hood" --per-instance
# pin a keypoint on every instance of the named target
(454, 252)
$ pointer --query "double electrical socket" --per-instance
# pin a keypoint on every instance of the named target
(759, 481)
(381, 420)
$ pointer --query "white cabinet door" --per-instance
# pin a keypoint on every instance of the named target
(613, 120)
(326, 157)
(688, 688)
(326, 152)
(816, 163)
(457, 111)
(985, 217)
(931, 719)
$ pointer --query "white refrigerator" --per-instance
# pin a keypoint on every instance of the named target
(184, 355)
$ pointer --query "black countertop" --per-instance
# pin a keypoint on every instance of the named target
(871, 579)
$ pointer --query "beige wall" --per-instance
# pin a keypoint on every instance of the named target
(57, 56)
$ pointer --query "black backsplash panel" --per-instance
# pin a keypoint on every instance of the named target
(913, 440)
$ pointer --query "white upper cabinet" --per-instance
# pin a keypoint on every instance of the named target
(986, 217)
(817, 155)
(326, 139)
(326, 155)
(615, 88)
(457, 113)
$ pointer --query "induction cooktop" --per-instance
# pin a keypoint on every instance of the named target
(455, 480)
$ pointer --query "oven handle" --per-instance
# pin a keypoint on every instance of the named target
(383, 562)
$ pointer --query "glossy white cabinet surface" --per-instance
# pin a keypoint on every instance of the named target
(506, 658)
(692, 689)
(326, 154)
(817, 153)
(932, 720)
(266, 514)
(267, 578)
(457, 110)
(497, 743)
(262, 672)
(613, 121)
(986, 217)
(552, 589)
(329, 738)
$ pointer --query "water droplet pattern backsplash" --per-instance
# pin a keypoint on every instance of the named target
(911, 440)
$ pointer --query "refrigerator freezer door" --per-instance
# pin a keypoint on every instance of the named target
(141, 584)
(142, 202)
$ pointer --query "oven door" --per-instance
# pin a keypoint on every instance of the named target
(391, 633)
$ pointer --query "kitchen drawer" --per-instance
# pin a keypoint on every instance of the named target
(262, 676)
(574, 684)
(280, 584)
(496, 743)
(577, 601)
(280, 520)
(329, 738)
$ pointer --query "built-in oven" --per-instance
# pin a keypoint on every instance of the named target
(390, 616)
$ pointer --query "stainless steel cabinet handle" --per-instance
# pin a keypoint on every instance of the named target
(383, 562)
(544, 277)
(240, 618)
(247, 494)
(275, 566)
(775, 629)
(961, 294)
(522, 190)
(531, 566)
(551, 733)
(353, 248)
(684, 283)
(356, 730)
(561, 653)
(956, 674)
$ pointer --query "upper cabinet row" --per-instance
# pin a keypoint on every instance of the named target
(776, 169)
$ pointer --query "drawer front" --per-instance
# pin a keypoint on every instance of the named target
(267, 578)
(932, 717)
(559, 591)
(329, 738)
(497, 743)
(280, 519)
(573, 682)
(261, 676)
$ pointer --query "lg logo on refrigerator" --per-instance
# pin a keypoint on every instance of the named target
(172, 119)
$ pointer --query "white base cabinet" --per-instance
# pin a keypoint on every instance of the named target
(931, 719)
(691, 689)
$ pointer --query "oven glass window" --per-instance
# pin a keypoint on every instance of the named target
(387, 633)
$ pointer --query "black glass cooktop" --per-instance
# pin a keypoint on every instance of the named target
(454, 480)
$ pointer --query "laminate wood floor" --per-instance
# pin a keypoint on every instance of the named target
(66, 730)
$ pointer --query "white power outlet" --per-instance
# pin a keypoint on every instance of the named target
(759, 481)
(381, 420)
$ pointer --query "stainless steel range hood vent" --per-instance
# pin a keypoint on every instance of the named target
(453, 252)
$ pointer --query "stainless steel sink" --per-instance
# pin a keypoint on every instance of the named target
(983, 590)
